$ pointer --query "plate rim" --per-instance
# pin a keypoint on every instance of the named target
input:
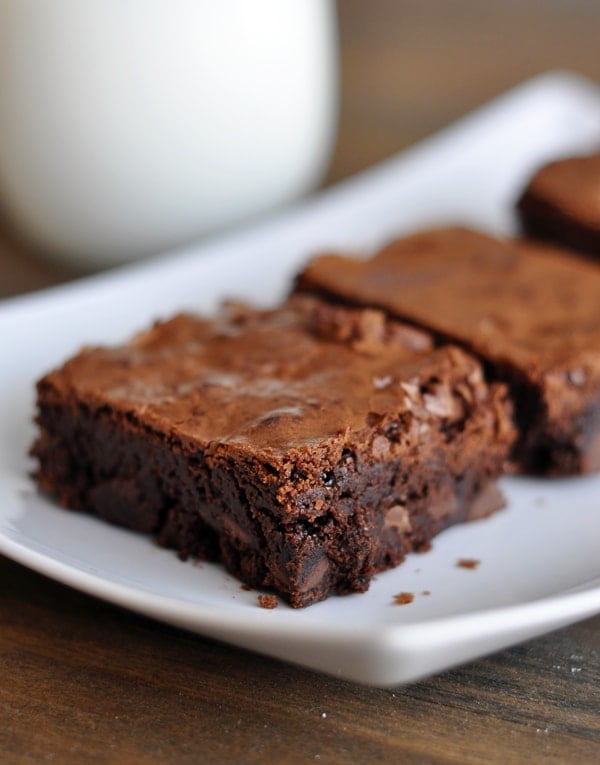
(381, 655)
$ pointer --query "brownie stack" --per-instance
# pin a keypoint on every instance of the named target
(311, 446)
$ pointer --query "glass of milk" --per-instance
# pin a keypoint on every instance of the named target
(129, 127)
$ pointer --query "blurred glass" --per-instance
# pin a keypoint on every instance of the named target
(128, 127)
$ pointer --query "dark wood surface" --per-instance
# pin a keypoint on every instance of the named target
(83, 681)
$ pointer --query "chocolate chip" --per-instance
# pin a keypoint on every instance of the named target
(328, 478)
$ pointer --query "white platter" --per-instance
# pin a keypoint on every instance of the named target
(539, 564)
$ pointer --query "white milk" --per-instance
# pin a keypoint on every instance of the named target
(128, 127)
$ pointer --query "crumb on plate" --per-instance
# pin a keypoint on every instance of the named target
(471, 563)
(267, 601)
(403, 598)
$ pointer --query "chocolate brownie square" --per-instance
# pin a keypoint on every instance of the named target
(531, 313)
(306, 447)
(561, 203)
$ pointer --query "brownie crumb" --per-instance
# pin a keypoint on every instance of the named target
(403, 598)
(267, 601)
(246, 587)
(426, 592)
(468, 563)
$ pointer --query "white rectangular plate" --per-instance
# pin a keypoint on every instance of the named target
(539, 565)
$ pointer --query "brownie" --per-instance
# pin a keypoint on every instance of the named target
(530, 312)
(561, 203)
(306, 447)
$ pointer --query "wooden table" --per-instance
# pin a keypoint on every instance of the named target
(82, 681)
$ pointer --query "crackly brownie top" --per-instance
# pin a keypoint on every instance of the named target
(276, 379)
(532, 307)
(571, 186)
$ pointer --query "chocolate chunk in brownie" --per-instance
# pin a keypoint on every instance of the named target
(307, 447)
(561, 203)
(531, 313)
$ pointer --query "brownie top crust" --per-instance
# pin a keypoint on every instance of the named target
(271, 381)
(570, 186)
(307, 447)
(512, 302)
